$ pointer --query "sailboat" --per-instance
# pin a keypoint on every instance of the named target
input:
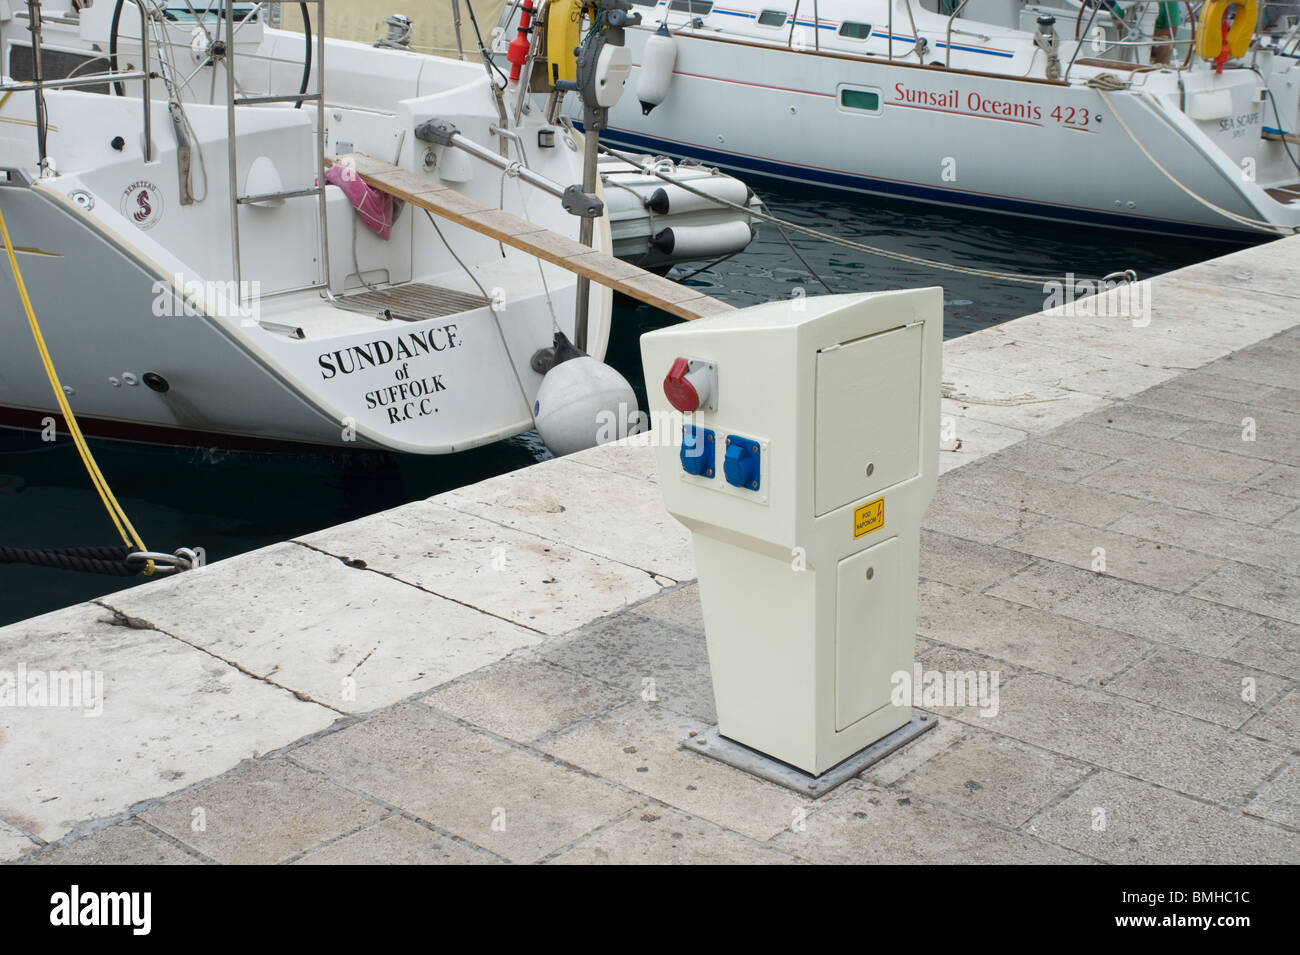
(1174, 118)
(201, 272)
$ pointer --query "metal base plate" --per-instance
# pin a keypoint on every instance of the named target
(716, 746)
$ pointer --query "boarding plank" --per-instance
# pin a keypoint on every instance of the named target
(528, 237)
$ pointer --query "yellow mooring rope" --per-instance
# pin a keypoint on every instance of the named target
(124, 527)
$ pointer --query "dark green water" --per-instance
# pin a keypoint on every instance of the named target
(229, 503)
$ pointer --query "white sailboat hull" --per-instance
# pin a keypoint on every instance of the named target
(430, 351)
(1006, 144)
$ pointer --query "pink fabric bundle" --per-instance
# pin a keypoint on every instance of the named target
(374, 207)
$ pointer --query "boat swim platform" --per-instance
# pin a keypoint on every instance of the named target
(680, 300)
(382, 691)
(414, 301)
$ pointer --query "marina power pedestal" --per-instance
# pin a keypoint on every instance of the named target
(799, 443)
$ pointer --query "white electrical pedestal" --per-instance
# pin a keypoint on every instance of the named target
(799, 443)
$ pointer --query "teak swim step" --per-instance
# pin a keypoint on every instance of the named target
(528, 237)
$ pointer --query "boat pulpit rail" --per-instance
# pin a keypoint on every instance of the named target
(39, 84)
(1133, 37)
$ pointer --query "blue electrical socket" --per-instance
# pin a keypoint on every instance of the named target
(698, 452)
(742, 465)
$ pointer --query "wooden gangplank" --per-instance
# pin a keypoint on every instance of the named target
(529, 237)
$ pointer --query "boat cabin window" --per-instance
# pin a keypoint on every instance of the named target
(55, 65)
(942, 7)
(250, 12)
(866, 100)
(772, 18)
(646, 3)
(700, 8)
(855, 31)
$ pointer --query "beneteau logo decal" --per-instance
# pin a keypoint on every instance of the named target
(142, 203)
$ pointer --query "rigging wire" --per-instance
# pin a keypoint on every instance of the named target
(1277, 118)
(1228, 214)
(482, 48)
(1022, 278)
(496, 319)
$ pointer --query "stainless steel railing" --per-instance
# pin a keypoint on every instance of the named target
(39, 84)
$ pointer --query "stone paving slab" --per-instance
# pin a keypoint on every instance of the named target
(1138, 419)
(1118, 819)
(1164, 453)
(308, 624)
(868, 826)
(1279, 800)
(1080, 652)
(524, 578)
(505, 799)
(1167, 748)
(524, 699)
(127, 843)
(1054, 461)
(1272, 645)
(661, 836)
(678, 608)
(215, 715)
(1209, 384)
(574, 503)
(1250, 505)
(971, 439)
(1284, 399)
(914, 755)
(1008, 402)
(1268, 419)
(267, 813)
(1266, 449)
(1252, 588)
(14, 844)
(1042, 495)
(977, 518)
(1244, 271)
(642, 657)
(1157, 615)
(397, 840)
(638, 746)
(1280, 479)
(1281, 723)
(1141, 559)
(1217, 691)
(995, 778)
(536, 715)
(967, 564)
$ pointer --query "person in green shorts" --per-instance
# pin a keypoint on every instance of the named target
(1167, 21)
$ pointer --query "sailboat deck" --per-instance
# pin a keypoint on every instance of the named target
(541, 243)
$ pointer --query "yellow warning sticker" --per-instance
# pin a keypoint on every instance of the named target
(869, 517)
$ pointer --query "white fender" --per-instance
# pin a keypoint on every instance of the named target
(703, 241)
(673, 200)
(582, 403)
(656, 69)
